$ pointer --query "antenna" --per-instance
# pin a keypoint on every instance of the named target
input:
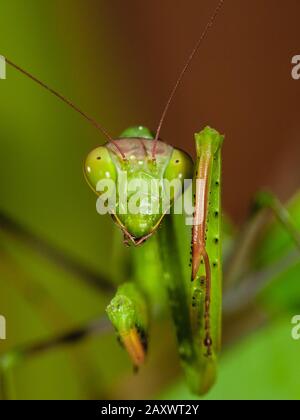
(183, 72)
(69, 103)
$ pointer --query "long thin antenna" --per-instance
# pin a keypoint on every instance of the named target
(68, 102)
(183, 72)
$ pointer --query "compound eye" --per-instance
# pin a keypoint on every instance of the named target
(180, 166)
(98, 166)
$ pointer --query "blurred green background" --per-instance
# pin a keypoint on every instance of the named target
(118, 60)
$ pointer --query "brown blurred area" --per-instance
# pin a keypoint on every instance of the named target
(240, 83)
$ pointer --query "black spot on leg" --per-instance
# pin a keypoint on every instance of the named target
(208, 341)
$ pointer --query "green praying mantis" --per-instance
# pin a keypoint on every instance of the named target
(160, 271)
(142, 156)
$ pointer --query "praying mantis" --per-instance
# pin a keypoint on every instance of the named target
(142, 155)
(194, 295)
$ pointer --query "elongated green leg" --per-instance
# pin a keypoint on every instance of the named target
(46, 309)
(206, 242)
(7, 363)
(253, 284)
(196, 306)
(176, 286)
(128, 313)
(57, 256)
(135, 302)
(13, 358)
(266, 199)
(240, 261)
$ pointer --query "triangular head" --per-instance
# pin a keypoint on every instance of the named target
(128, 162)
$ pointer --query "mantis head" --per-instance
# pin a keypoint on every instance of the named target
(144, 187)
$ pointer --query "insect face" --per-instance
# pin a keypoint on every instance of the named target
(140, 179)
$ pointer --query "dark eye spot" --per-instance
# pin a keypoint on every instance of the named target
(99, 158)
(177, 161)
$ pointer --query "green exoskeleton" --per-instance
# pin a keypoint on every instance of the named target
(132, 153)
(195, 301)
